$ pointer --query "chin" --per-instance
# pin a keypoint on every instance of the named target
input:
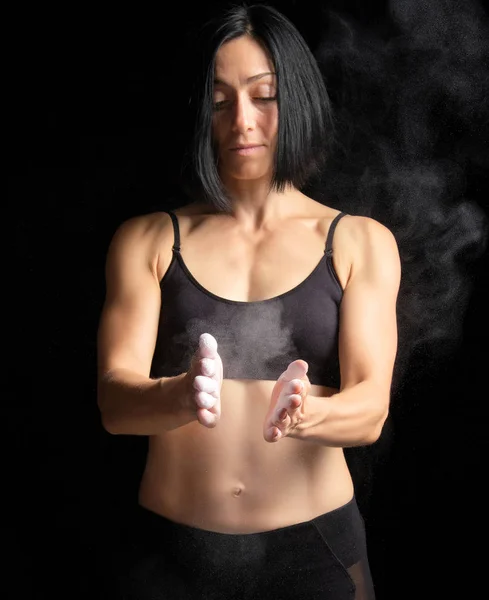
(247, 172)
(249, 176)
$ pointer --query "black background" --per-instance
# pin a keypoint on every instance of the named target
(96, 140)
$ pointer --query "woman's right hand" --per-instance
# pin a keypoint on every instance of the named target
(204, 381)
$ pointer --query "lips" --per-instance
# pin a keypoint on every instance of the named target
(246, 150)
(244, 146)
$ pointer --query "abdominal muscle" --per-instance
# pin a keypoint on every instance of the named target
(230, 480)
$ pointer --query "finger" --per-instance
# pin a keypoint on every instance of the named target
(207, 418)
(296, 370)
(205, 384)
(295, 402)
(205, 400)
(276, 434)
(272, 434)
(282, 414)
(295, 386)
(208, 345)
(208, 367)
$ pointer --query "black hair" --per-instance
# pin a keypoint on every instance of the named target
(305, 129)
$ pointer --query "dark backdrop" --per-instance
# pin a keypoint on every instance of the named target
(97, 121)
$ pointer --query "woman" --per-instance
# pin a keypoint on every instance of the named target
(251, 335)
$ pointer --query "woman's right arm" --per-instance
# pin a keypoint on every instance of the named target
(130, 401)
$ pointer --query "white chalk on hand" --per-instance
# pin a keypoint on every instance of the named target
(208, 367)
(205, 400)
(208, 345)
(204, 384)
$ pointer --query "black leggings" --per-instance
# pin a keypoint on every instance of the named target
(324, 559)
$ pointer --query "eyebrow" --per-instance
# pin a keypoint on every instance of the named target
(249, 80)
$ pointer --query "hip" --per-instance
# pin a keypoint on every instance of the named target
(324, 557)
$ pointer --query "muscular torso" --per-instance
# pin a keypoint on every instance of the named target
(228, 478)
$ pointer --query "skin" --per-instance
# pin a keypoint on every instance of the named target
(254, 455)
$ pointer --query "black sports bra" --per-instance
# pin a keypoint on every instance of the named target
(256, 340)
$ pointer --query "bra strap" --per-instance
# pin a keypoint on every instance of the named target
(176, 231)
(329, 241)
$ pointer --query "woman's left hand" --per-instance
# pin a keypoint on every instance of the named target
(288, 402)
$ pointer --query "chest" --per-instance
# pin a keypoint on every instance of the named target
(244, 270)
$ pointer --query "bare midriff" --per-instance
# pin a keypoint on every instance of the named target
(228, 479)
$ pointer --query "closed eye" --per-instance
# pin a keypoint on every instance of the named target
(222, 103)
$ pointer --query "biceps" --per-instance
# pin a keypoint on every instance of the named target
(127, 334)
(368, 334)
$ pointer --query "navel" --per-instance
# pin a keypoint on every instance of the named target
(237, 490)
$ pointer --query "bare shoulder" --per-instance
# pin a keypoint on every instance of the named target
(359, 231)
(369, 247)
(143, 227)
(360, 245)
(147, 237)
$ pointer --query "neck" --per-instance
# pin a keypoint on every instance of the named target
(255, 206)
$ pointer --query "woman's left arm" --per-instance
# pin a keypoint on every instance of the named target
(367, 344)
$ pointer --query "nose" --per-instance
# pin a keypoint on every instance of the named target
(243, 118)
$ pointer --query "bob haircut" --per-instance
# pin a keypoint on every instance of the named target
(305, 124)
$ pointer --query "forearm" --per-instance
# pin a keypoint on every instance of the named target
(353, 417)
(135, 405)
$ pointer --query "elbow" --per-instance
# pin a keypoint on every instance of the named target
(109, 420)
(371, 437)
(109, 424)
(377, 414)
(374, 431)
(106, 415)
